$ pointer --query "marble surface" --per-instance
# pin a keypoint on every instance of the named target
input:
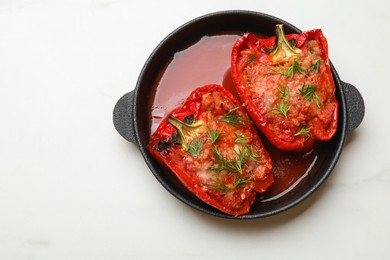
(72, 188)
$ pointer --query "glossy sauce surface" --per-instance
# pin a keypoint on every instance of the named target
(208, 62)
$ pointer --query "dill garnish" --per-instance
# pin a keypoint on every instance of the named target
(236, 164)
(283, 106)
(223, 163)
(290, 71)
(284, 92)
(315, 66)
(240, 138)
(220, 185)
(304, 132)
(294, 68)
(195, 147)
(309, 93)
(214, 135)
(233, 119)
(251, 58)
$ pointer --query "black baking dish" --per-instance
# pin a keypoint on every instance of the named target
(130, 114)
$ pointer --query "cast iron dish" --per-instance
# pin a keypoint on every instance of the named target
(131, 118)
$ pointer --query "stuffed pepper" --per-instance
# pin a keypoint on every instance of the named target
(287, 87)
(213, 148)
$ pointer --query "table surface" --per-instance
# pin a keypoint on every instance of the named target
(72, 188)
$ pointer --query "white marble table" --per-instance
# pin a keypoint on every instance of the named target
(72, 188)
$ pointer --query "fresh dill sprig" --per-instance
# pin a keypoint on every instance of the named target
(219, 185)
(195, 147)
(315, 66)
(304, 132)
(281, 108)
(251, 58)
(309, 93)
(236, 164)
(274, 71)
(233, 166)
(245, 153)
(223, 163)
(233, 119)
(284, 92)
(294, 68)
(251, 154)
(214, 135)
(240, 181)
(290, 71)
(240, 138)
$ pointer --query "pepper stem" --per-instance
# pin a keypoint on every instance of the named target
(283, 49)
(186, 131)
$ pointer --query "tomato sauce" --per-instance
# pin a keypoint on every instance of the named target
(208, 62)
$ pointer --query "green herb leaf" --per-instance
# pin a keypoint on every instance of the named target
(251, 154)
(277, 72)
(219, 185)
(251, 58)
(240, 138)
(233, 119)
(294, 68)
(315, 66)
(284, 93)
(195, 147)
(281, 108)
(214, 135)
(290, 72)
(304, 132)
(309, 93)
(236, 164)
(223, 163)
(240, 181)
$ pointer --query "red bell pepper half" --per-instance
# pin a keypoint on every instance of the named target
(213, 148)
(287, 87)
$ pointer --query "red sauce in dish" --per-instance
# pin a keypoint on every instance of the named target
(208, 62)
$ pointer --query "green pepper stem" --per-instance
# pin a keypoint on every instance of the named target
(186, 131)
(282, 50)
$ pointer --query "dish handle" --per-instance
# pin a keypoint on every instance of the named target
(123, 117)
(355, 106)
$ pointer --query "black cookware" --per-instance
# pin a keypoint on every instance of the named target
(131, 115)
